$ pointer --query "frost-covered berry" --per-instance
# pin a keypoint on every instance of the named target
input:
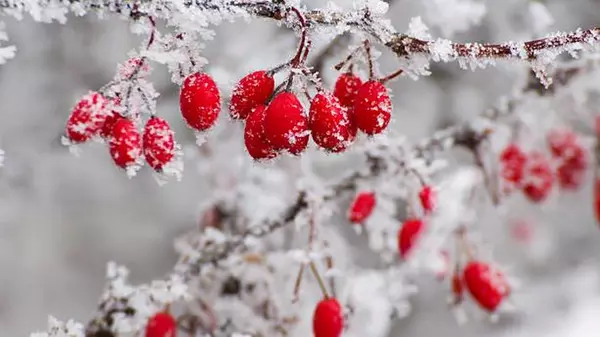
(561, 141)
(427, 197)
(158, 142)
(362, 207)
(161, 324)
(200, 101)
(486, 284)
(254, 135)
(112, 118)
(408, 235)
(571, 171)
(87, 117)
(286, 125)
(329, 123)
(125, 143)
(251, 91)
(539, 177)
(512, 164)
(372, 108)
(328, 319)
(346, 88)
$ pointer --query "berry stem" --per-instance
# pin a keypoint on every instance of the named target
(391, 76)
(329, 264)
(277, 69)
(319, 279)
(348, 58)
(489, 185)
(367, 46)
(297, 284)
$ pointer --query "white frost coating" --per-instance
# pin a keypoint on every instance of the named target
(453, 16)
(57, 328)
(418, 29)
(441, 50)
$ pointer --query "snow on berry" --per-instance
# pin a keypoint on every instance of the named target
(362, 207)
(111, 119)
(408, 235)
(372, 108)
(486, 284)
(87, 117)
(328, 318)
(125, 144)
(571, 171)
(162, 324)
(539, 177)
(254, 135)
(561, 141)
(512, 164)
(346, 88)
(251, 91)
(285, 124)
(329, 123)
(427, 196)
(158, 143)
(200, 101)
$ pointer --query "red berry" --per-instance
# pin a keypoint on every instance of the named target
(251, 91)
(512, 162)
(329, 123)
(346, 87)
(161, 325)
(486, 284)
(362, 207)
(571, 172)
(428, 198)
(125, 145)
(457, 287)
(87, 117)
(560, 141)
(286, 125)
(328, 319)
(158, 143)
(109, 124)
(372, 108)
(200, 101)
(596, 204)
(254, 135)
(408, 235)
(538, 178)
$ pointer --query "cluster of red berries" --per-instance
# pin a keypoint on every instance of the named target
(276, 121)
(96, 116)
(533, 173)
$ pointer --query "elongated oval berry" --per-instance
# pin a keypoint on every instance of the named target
(330, 125)
(512, 164)
(539, 178)
(427, 197)
(161, 324)
(286, 125)
(158, 142)
(408, 235)
(87, 117)
(362, 207)
(125, 144)
(254, 135)
(251, 91)
(328, 319)
(200, 101)
(486, 284)
(372, 108)
(346, 88)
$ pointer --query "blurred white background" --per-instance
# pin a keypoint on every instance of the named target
(63, 217)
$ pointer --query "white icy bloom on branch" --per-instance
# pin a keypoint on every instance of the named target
(57, 328)
(453, 16)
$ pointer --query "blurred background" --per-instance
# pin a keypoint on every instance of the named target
(63, 217)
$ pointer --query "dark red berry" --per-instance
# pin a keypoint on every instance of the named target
(158, 143)
(408, 235)
(328, 319)
(286, 125)
(362, 207)
(428, 198)
(539, 178)
(254, 135)
(200, 101)
(251, 91)
(161, 324)
(372, 108)
(125, 144)
(512, 164)
(329, 123)
(486, 284)
(346, 88)
(87, 117)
